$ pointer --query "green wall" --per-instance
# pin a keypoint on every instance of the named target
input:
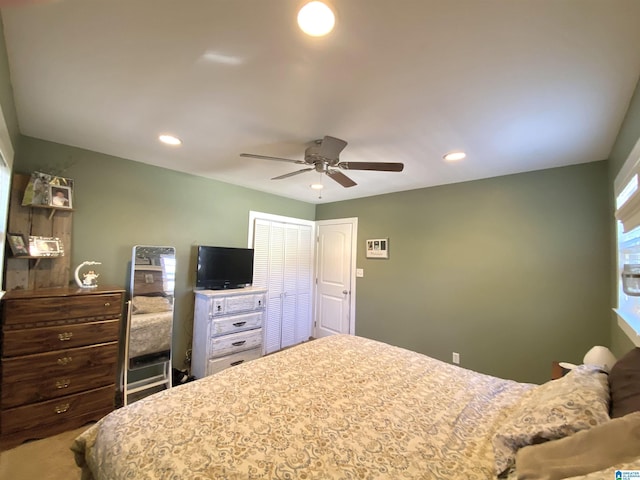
(120, 203)
(6, 93)
(511, 272)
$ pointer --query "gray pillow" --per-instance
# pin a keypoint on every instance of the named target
(624, 384)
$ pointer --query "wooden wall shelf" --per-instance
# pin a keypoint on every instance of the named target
(39, 220)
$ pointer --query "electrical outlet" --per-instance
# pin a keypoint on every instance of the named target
(456, 358)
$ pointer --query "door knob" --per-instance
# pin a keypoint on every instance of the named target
(344, 292)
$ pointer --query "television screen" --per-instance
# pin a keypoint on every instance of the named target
(224, 267)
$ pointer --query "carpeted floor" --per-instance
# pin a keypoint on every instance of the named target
(46, 459)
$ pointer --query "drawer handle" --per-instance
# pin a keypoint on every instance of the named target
(64, 360)
(107, 304)
(233, 364)
(239, 324)
(64, 337)
(61, 408)
(64, 383)
(237, 344)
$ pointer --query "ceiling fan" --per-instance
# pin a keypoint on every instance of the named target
(323, 157)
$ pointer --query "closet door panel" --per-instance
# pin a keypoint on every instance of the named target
(290, 260)
(305, 260)
(288, 321)
(305, 285)
(283, 264)
(261, 234)
(272, 325)
(275, 287)
(302, 329)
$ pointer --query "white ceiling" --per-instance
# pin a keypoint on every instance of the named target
(519, 85)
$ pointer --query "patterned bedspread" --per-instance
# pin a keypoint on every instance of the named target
(150, 333)
(341, 407)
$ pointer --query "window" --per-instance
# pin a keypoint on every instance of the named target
(628, 245)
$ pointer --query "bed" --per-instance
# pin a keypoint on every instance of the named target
(344, 407)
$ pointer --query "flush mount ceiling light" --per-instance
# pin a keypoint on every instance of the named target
(316, 19)
(170, 140)
(453, 156)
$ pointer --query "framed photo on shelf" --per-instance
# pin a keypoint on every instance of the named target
(378, 248)
(38, 190)
(60, 196)
(45, 247)
(18, 244)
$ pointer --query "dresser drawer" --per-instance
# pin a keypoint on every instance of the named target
(92, 405)
(44, 376)
(47, 309)
(237, 304)
(236, 323)
(235, 342)
(45, 339)
(218, 364)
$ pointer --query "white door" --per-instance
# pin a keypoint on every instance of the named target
(335, 289)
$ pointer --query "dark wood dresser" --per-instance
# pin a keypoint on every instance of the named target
(59, 360)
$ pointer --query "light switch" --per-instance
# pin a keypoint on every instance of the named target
(359, 272)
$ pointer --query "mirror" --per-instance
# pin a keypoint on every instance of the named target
(6, 162)
(147, 362)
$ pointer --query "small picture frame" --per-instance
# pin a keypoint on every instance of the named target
(378, 248)
(18, 244)
(60, 196)
(45, 247)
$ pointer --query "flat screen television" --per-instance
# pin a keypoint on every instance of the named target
(224, 267)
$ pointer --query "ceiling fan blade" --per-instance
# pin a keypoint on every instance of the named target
(287, 175)
(341, 178)
(378, 166)
(265, 157)
(331, 147)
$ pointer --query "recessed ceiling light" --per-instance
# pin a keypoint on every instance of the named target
(316, 19)
(170, 140)
(317, 186)
(453, 156)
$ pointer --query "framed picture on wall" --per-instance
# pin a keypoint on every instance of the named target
(378, 248)
(18, 244)
(60, 196)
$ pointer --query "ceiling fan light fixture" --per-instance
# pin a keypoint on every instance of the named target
(169, 139)
(316, 19)
(317, 186)
(454, 156)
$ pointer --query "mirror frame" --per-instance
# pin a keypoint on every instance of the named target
(152, 298)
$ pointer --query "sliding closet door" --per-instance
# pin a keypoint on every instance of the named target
(283, 264)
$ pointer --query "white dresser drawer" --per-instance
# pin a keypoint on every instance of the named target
(235, 342)
(236, 323)
(237, 304)
(218, 364)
